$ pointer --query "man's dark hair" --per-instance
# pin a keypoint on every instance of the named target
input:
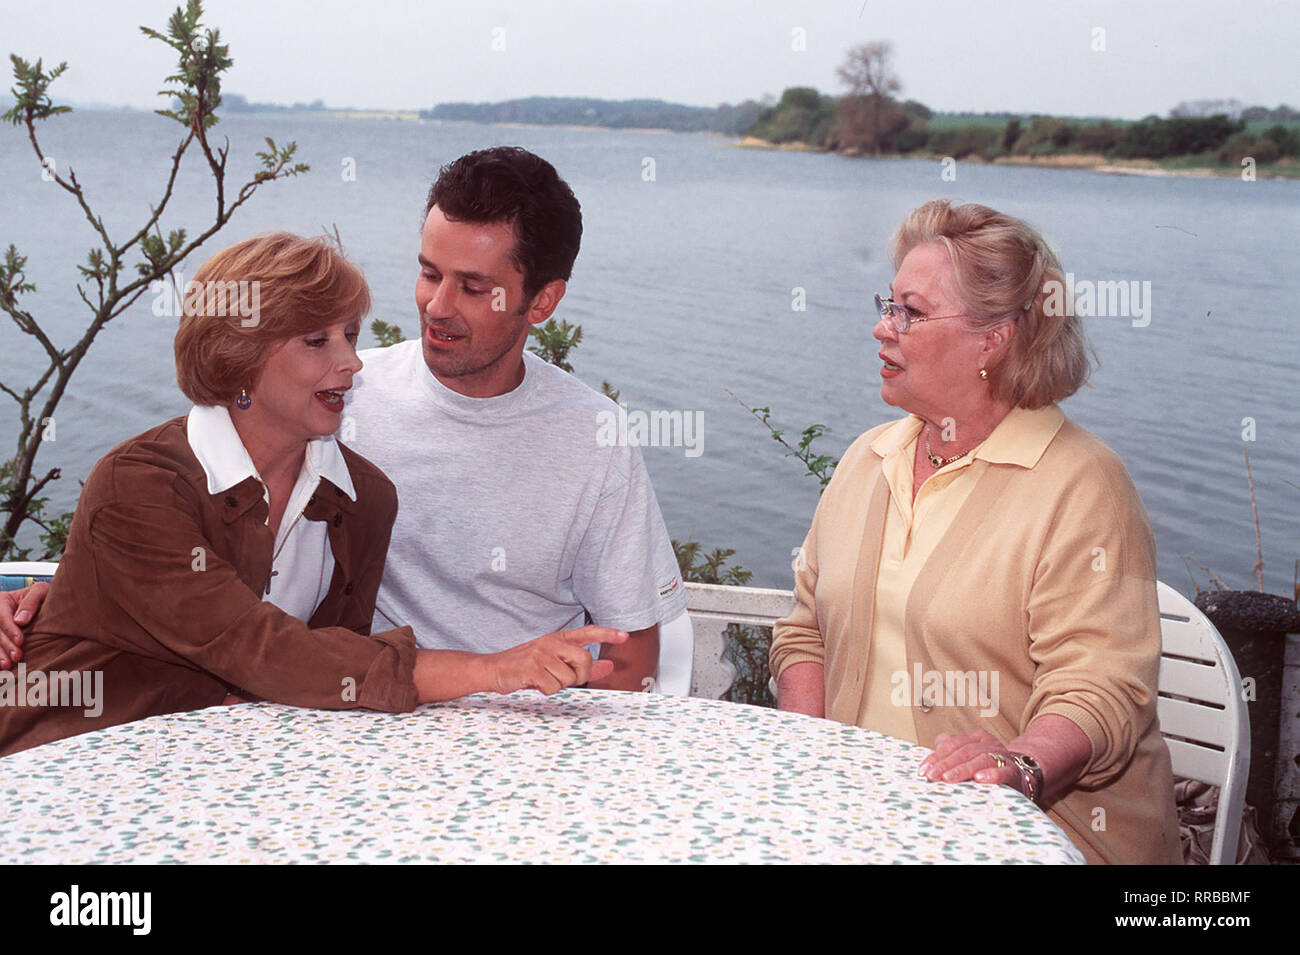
(508, 184)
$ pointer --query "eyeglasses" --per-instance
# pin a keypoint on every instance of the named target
(899, 318)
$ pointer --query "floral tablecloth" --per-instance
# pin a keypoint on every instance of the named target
(583, 776)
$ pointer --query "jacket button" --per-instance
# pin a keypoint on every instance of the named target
(311, 500)
(231, 500)
(347, 589)
(338, 519)
(338, 493)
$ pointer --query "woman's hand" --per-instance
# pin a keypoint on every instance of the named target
(549, 664)
(1060, 748)
(17, 609)
(959, 759)
(554, 661)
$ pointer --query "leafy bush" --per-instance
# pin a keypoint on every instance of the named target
(915, 137)
(1243, 145)
(961, 141)
(747, 647)
(1286, 139)
(1153, 138)
(1096, 137)
(801, 115)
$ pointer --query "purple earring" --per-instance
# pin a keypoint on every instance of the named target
(244, 401)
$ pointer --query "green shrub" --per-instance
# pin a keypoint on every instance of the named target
(1155, 138)
(960, 141)
(1243, 145)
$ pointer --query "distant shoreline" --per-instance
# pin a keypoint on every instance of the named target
(1092, 162)
(577, 126)
(397, 114)
(408, 116)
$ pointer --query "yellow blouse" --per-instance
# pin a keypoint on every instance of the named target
(912, 531)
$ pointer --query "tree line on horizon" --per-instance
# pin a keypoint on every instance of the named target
(855, 124)
(805, 116)
(870, 120)
(616, 114)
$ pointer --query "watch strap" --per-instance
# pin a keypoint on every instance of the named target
(1032, 775)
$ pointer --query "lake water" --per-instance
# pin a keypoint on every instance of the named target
(684, 288)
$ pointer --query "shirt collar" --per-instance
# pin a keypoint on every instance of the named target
(495, 405)
(225, 461)
(1020, 438)
(897, 436)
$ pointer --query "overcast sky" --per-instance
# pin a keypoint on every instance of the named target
(980, 55)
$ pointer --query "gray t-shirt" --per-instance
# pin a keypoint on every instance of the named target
(513, 521)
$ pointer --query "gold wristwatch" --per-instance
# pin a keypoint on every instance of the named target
(1031, 774)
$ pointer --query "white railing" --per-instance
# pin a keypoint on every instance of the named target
(711, 608)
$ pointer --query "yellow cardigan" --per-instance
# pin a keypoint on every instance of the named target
(1046, 576)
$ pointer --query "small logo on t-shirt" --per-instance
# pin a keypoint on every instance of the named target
(668, 588)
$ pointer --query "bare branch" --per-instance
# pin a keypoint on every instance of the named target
(39, 384)
(28, 326)
(1209, 573)
(1259, 540)
(89, 304)
(35, 489)
(776, 435)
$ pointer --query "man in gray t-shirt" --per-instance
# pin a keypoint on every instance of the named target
(514, 520)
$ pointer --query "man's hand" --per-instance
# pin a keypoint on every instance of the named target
(17, 609)
(552, 662)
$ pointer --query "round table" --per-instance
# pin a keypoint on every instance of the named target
(582, 776)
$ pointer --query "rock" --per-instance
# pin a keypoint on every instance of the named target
(1250, 610)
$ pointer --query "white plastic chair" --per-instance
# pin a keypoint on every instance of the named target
(16, 574)
(676, 656)
(1203, 717)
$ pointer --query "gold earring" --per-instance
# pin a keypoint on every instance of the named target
(984, 374)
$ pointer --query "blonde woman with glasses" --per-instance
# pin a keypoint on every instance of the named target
(979, 577)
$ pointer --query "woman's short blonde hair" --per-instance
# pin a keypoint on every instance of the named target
(248, 298)
(1006, 272)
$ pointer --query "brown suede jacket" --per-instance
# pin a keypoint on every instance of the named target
(160, 591)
